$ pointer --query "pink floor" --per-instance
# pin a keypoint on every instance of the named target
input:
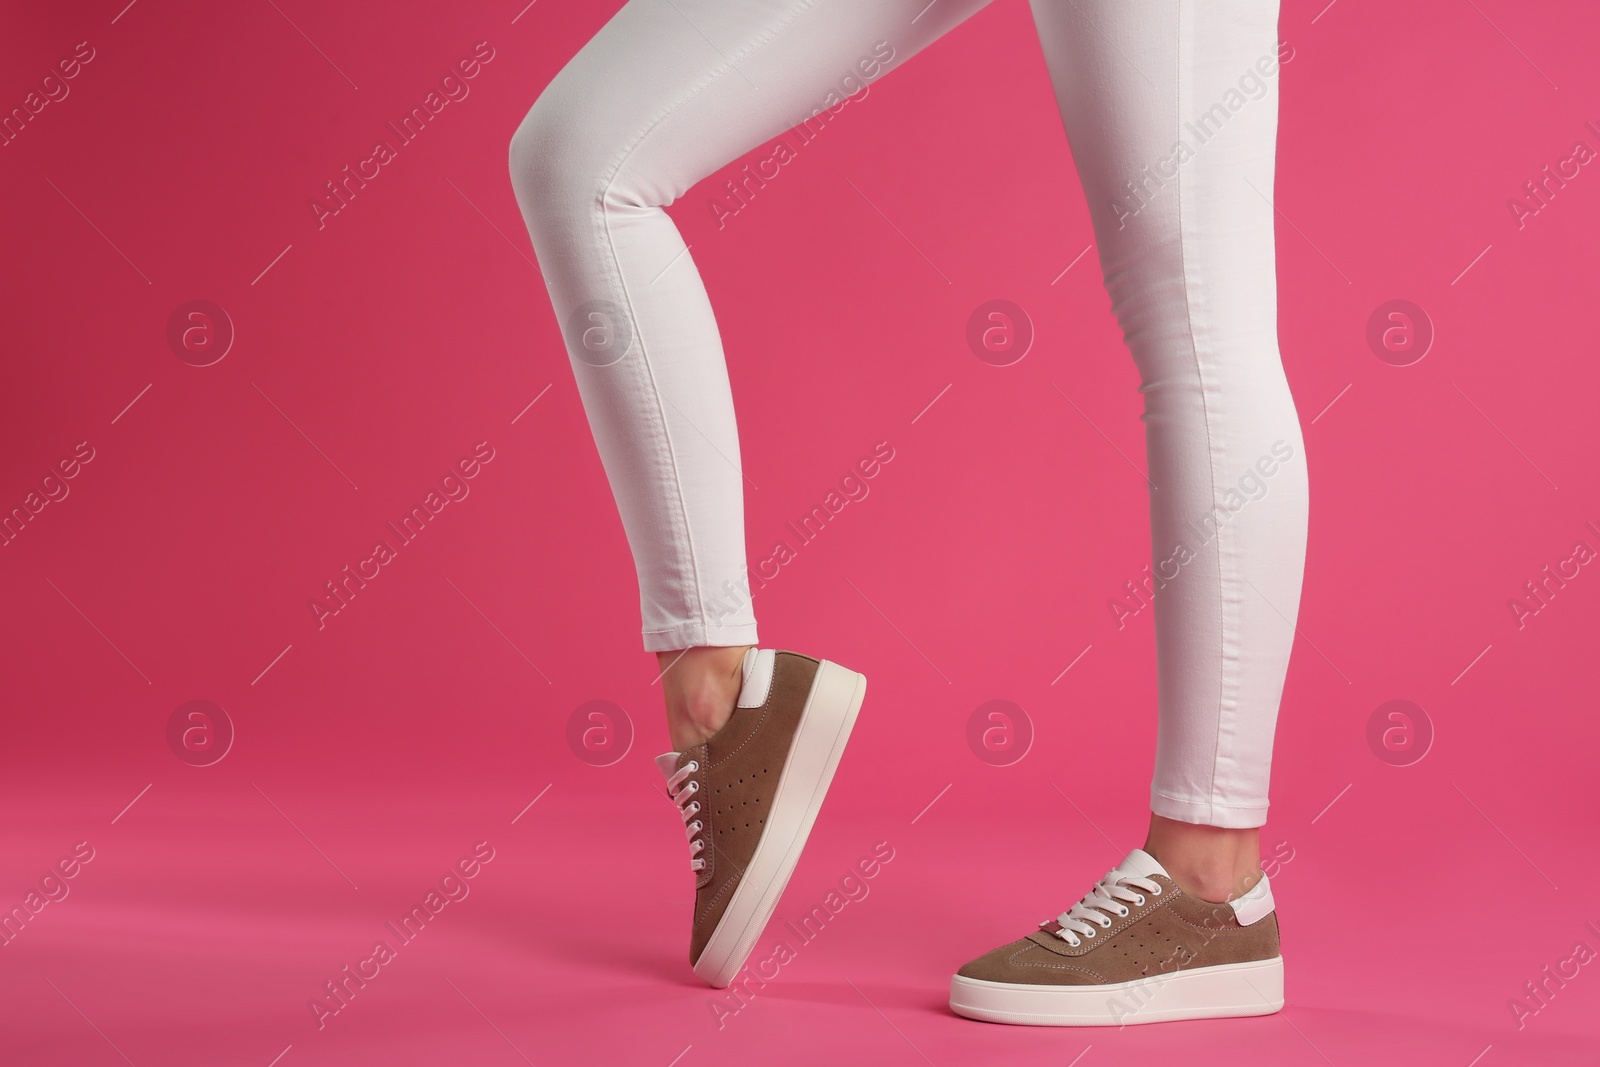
(206, 922)
(1429, 881)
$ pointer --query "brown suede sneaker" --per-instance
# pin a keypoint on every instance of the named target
(1136, 949)
(750, 793)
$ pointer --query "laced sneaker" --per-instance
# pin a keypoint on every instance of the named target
(1135, 949)
(749, 794)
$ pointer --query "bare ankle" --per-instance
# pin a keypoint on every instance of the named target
(1213, 881)
(701, 686)
(1210, 862)
(696, 720)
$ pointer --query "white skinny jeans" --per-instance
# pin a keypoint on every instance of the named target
(1171, 110)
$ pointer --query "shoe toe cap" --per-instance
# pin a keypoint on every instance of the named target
(1026, 962)
(1004, 964)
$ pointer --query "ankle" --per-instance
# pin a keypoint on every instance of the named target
(1213, 880)
(701, 686)
(1213, 863)
(693, 721)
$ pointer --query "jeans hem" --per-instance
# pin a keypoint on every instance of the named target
(1208, 812)
(699, 635)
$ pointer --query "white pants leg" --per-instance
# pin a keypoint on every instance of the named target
(670, 90)
(665, 93)
(1171, 108)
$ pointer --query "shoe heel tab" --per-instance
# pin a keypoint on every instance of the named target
(758, 665)
(1255, 905)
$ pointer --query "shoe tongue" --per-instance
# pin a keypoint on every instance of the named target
(1140, 864)
(667, 763)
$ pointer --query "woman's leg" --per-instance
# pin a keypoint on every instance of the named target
(1171, 108)
(665, 93)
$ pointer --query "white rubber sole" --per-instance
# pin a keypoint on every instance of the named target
(1222, 991)
(819, 740)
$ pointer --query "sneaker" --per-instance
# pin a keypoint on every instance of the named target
(749, 794)
(1136, 949)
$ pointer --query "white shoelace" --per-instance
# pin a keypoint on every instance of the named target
(687, 807)
(1099, 905)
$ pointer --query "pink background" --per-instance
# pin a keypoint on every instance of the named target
(371, 355)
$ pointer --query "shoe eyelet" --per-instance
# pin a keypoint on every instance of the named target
(693, 765)
(1123, 913)
(694, 787)
(1139, 902)
(1156, 891)
(1089, 933)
